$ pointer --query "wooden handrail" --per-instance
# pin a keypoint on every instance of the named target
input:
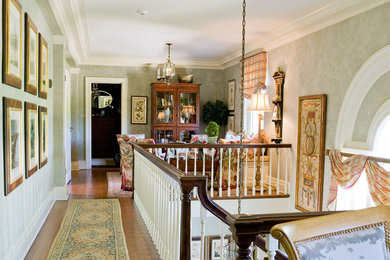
(258, 145)
(371, 158)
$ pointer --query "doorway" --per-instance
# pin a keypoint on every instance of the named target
(106, 122)
(94, 156)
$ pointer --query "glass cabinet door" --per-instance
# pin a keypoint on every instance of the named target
(187, 108)
(164, 136)
(185, 135)
(164, 104)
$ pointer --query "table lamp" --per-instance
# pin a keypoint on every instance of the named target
(160, 116)
(260, 103)
(187, 111)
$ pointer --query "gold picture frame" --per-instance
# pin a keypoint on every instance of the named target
(310, 152)
(13, 159)
(12, 43)
(43, 136)
(139, 110)
(31, 56)
(231, 94)
(31, 138)
(43, 78)
(214, 246)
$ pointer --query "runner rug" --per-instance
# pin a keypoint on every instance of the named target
(114, 180)
(91, 229)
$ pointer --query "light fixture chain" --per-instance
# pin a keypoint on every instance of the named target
(242, 103)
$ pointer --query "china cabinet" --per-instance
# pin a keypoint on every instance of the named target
(175, 111)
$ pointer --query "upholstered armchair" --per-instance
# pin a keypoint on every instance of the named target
(127, 157)
(357, 234)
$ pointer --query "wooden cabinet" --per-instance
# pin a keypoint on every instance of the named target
(175, 111)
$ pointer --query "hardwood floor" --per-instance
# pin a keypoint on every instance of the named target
(92, 184)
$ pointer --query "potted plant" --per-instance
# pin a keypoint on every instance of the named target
(212, 131)
(215, 111)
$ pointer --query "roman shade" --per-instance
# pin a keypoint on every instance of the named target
(255, 71)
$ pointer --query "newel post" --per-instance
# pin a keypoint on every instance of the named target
(244, 228)
(185, 235)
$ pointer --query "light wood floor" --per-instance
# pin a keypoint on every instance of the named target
(92, 184)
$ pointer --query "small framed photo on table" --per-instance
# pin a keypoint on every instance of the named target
(215, 250)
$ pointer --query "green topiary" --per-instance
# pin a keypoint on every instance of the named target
(217, 112)
(212, 129)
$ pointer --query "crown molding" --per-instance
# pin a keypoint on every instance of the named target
(150, 62)
(59, 40)
(314, 21)
(73, 24)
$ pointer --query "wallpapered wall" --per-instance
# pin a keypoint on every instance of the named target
(138, 80)
(325, 62)
(24, 209)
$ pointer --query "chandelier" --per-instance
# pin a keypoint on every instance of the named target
(167, 70)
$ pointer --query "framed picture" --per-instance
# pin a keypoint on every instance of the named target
(12, 43)
(231, 123)
(43, 136)
(196, 245)
(13, 166)
(214, 248)
(31, 56)
(43, 68)
(31, 138)
(310, 152)
(231, 94)
(139, 110)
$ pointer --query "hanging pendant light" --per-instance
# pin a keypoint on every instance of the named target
(167, 70)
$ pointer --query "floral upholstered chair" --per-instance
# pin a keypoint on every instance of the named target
(127, 157)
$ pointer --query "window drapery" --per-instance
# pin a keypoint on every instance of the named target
(255, 72)
(346, 173)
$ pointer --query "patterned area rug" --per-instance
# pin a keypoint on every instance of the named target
(114, 186)
(91, 229)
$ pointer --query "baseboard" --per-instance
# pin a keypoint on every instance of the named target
(103, 161)
(60, 193)
(20, 250)
(75, 166)
(82, 165)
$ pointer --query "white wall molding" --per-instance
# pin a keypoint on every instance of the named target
(103, 161)
(59, 39)
(88, 125)
(74, 70)
(368, 74)
(82, 165)
(60, 192)
(377, 124)
(20, 250)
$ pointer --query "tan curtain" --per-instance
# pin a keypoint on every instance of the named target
(346, 173)
(255, 72)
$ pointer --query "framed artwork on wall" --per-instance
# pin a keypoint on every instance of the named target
(43, 136)
(12, 43)
(31, 138)
(13, 166)
(43, 68)
(231, 123)
(214, 249)
(231, 94)
(31, 56)
(310, 152)
(139, 110)
(196, 245)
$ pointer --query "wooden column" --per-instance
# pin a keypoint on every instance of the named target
(185, 236)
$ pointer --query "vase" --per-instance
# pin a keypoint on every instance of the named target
(212, 139)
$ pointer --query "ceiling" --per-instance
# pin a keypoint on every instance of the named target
(203, 33)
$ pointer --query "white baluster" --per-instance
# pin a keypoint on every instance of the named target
(254, 172)
(186, 168)
(272, 245)
(203, 218)
(195, 151)
(246, 173)
(262, 172)
(238, 171)
(220, 172)
(204, 162)
(177, 158)
(222, 232)
(278, 177)
(270, 172)
(168, 157)
(230, 155)
(212, 174)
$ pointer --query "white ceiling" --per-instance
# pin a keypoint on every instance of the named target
(203, 32)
